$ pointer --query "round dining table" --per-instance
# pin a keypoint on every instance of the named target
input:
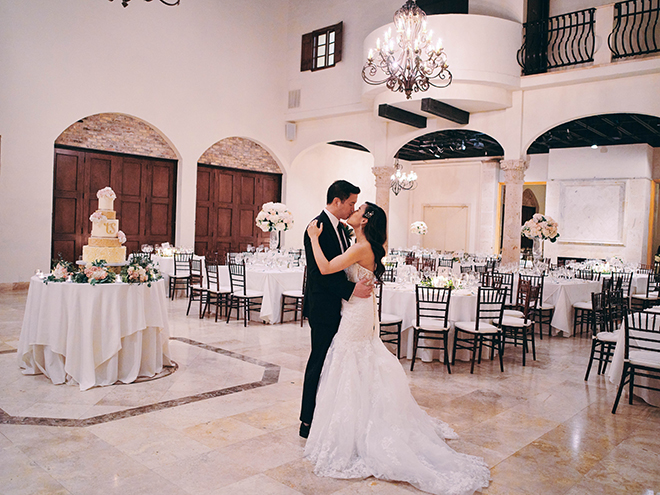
(401, 300)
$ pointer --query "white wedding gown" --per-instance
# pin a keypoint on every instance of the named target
(367, 423)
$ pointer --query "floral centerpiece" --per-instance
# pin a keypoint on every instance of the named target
(419, 228)
(442, 282)
(140, 271)
(539, 228)
(274, 218)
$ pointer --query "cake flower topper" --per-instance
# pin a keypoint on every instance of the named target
(106, 192)
(97, 216)
(121, 236)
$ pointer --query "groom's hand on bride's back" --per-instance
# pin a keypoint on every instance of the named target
(363, 288)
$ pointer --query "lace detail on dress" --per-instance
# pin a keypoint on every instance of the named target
(366, 421)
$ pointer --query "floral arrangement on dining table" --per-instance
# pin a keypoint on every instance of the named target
(442, 282)
(419, 228)
(274, 217)
(541, 227)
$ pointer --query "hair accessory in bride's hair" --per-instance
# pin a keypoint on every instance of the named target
(368, 214)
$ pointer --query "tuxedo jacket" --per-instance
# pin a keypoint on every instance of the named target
(324, 293)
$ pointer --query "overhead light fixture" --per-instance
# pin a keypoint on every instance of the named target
(171, 3)
(408, 61)
(400, 181)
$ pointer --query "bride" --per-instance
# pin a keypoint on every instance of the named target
(366, 422)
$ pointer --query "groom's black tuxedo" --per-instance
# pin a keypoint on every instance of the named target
(323, 297)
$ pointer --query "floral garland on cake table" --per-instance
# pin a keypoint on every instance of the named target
(140, 271)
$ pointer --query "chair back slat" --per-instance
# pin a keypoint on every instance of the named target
(212, 276)
(642, 333)
(237, 277)
(182, 263)
(195, 266)
(625, 279)
(447, 263)
(507, 282)
(432, 302)
(490, 305)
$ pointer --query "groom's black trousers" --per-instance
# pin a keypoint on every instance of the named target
(322, 335)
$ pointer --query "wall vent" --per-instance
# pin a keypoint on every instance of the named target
(294, 98)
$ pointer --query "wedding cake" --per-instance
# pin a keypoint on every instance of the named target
(106, 240)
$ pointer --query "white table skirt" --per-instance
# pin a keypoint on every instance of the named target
(272, 282)
(563, 295)
(402, 302)
(96, 335)
(616, 370)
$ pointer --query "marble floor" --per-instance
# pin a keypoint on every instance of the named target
(227, 422)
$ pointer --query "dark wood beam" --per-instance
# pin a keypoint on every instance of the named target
(403, 116)
(445, 111)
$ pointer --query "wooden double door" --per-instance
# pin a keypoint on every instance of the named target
(145, 203)
(228, 201)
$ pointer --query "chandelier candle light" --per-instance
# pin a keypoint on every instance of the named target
(409, 59)
(274, 218)
(400, 181)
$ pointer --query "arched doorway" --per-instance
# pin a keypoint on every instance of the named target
(456, 191)
(235, 177)
(122, 152)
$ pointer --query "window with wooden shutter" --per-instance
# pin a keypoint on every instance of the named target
(321, 48)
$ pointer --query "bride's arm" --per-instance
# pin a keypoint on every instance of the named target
(353, 254)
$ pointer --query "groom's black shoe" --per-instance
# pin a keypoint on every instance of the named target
(304, 430)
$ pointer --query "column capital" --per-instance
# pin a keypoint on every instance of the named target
(514, 170)
(383, 176)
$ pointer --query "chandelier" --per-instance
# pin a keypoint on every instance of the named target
(400, 181)
(409, 60)
(171, 3)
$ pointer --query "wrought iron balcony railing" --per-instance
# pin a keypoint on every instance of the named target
(559, 41)
(636, 30)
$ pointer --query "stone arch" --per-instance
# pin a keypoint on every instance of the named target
(450, 144)
(118, 133)
(530, 199)
(587, 130)
(240, 153)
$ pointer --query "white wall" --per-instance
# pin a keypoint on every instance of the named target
(601, 198)
(310, 175)
(195, 72)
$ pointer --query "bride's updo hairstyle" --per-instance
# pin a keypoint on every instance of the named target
(375, 231)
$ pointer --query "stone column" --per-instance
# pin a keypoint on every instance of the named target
(383, 177)
(514, 178)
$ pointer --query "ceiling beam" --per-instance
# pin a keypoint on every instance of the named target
(402, 116)
(445, 111)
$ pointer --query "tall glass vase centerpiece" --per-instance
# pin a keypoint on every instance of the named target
(274, 218)
(538, 229)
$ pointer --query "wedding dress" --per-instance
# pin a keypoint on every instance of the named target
(367, 423)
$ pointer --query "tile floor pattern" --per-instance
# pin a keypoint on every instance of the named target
(541, 428)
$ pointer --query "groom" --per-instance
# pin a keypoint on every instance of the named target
(324, 293)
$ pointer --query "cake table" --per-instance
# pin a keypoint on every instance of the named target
(94, 334)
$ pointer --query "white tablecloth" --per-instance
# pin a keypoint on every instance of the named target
(166, 266)
(402, 302)
(616, 370)
(563, 294)
(97, 335)
(272, 282)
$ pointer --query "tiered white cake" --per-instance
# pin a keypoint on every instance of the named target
(106, 240)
